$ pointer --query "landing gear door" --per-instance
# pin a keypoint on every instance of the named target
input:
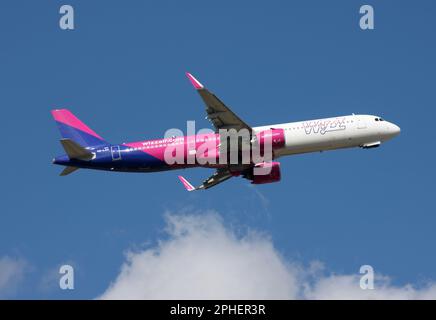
(116, 153)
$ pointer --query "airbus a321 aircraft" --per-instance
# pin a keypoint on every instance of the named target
(86, 149)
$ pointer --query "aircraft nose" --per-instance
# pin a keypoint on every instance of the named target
(395, 129)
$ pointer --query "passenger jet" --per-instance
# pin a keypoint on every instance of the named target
(86, 149)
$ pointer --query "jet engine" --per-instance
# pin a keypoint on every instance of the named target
(265, 172)
(274, 137)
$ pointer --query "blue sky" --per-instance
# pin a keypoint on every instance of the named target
(122, 72)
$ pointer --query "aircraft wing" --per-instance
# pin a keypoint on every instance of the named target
(217, 112)
(219, 176)
(223, 118)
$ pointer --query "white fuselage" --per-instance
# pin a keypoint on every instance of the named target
(334, 133)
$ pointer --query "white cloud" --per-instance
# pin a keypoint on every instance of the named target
(202, 259)
(11, 274)
(347, 287)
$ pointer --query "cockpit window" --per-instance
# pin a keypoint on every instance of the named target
(378, 119)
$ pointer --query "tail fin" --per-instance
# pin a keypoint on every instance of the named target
(74, 129)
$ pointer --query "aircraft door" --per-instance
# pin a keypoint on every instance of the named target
(116, 153)
(361, 123)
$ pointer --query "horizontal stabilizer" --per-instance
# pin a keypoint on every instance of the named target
(75, 150)
(68, 170)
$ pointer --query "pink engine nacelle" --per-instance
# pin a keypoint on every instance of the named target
(267, 172)
(276, 137)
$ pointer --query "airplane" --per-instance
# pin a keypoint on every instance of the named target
(86, 149)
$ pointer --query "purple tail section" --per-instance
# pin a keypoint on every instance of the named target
(72, 128)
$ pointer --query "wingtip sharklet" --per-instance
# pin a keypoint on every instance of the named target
(197, 85)
(186, 184)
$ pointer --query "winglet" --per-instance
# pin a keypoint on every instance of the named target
(197, 85)
(186, 184)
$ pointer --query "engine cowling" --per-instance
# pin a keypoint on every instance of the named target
(275, 137)
(266, 172)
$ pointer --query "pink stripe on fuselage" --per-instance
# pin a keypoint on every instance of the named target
(66, 117)
(157, 148)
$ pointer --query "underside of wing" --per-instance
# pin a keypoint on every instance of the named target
(217, 112)
(219, 176)
(237, 134)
